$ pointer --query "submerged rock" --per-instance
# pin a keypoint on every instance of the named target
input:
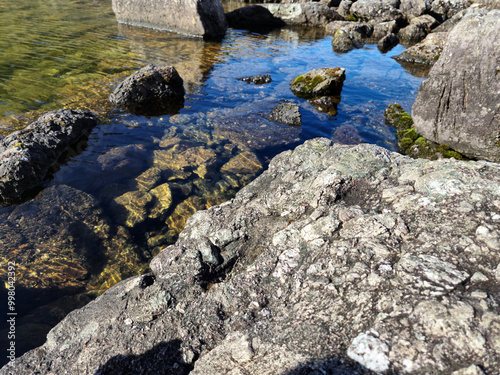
(458, 104)
(258, 80)
(286, 113)
(27, 156)
(153, 90)
(319, 82)
(341, 259)
(204, 18)
(326, 104)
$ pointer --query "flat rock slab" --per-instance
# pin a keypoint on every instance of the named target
(27, 155)
(203, 18)
(337, 259)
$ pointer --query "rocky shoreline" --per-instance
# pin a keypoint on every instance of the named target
(337, 259)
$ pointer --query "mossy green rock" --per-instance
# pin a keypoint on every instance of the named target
(319, 82)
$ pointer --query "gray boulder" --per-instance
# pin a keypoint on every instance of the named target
(286, 113)
(414, 8)
(348, 35)
(444, 9)
(27, 156)
(382, 29)
(204, 18)
(413, 33)
(376, 11)
(450, 23)
(426, 52)
(307, 14)
(153, 90)
(458, 104)
(337, 259)
(387, 42)
(318, 82)
(253, 18)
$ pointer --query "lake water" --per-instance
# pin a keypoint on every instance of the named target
(128, 190)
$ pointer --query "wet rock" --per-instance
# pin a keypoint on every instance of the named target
(286, 113)
(458, 104)
(29, 155)
(121, 162)
(204, 18)
(326, 104)
(308, 14)
(179, 161)
(426, 52)
(319, 82)
(376, 11)
(130, 208)
(351, 253)
(388, 42)
(153, 90)
(258, 80)
(253, 18)
(163, 197)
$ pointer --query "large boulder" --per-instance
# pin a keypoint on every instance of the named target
(426, 52)
(376, 11)
(444, 9)
(318, 82)
(458, 104)
(204, 18)
(414, 8)
(348, 35)
(253, 18)
(153, 90)
(27, 156)
(336, 260)
(308, 14)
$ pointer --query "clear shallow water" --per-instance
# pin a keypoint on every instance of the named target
(99, 218)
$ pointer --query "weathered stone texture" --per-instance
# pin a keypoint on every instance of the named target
(458, 104)
(338, 259)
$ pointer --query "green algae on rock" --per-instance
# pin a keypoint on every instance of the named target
(318, 82)
(410, 142)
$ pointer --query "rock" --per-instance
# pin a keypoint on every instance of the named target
(244, 162)
(253, 18)
(204, 18)
(382, 29)
(319, 82)
(153, 90)
(426, 52)
(458, 104)
(308, 14)
(337, 259)
(376, 11)
(130, 208)
(414, 8)
(388, 42)
(348, 35)
(344, 9)
(258, 80)
(28, 156)
(444, 9)
(450, 23)
(326, 104)
(286, 113)
(413, 33)
(426, 20)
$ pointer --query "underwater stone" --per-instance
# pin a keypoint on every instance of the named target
(286, 113)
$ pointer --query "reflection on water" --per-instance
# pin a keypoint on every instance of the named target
(111, 208)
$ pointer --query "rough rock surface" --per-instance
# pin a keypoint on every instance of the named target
(450, 23)
(376, 10)
(348, 35)
(426, 52)
(286, 113)
(458, 104)
(338, 259)
(203, 18)
(388, 42)
(26, 156)
(414, 8)
(445, 9)
(253, 18)
(258, 79)
(153, 90)
(319, 82)
(308, 14)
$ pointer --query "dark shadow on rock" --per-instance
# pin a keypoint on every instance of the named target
(164, 358)
(253, 18)
(331, 366)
